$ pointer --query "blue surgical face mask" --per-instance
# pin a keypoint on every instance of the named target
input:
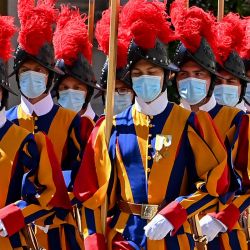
(247, 94)
(72, 99)
(227, 95)
(32, 83)
(122, 102)
(192, 90)
(147, 87)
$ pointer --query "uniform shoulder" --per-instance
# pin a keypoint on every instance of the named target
(232, 113)
(68, 117)
(19, 132)
(182, 110)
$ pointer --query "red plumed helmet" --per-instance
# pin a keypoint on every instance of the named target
(193, 24)
(7, 30)
(229, 36)
(36, 24)
(244, 50)
(71, 36)
(102, 34)
(147, 22)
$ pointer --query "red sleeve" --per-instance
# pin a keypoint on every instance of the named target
(84, 190)
(228, 216)
(12, 218)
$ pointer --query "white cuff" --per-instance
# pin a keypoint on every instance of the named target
(3, 231)
(223, 226)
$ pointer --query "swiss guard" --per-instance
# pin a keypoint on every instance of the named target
(233, 72)
(124, 95)
(157, 170)
(195, 82)
(231, 84)
(34, 68)
(73, 52)
(30, 183)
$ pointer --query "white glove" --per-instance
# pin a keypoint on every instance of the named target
(3, 232)
(158, 228)
(45, 229)
(211, 227)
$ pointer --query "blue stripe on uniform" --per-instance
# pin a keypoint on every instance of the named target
(131, 155)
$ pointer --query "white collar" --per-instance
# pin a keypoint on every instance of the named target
(206, 107)
(153, 108)
(89, 112)
(2, 117)
(242, 106)
(40, 108)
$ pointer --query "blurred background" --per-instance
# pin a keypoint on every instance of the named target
(9, 7)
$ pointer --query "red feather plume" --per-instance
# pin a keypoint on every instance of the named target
(102, 33)
(36, 24)
(230, 35)
(7, 30)
(193, 24)
(147, 22)
(71, 36)
(244, 50)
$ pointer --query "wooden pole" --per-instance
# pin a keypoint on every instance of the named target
(220, 10)
(91, 20)
(187, 3)
(114, 19)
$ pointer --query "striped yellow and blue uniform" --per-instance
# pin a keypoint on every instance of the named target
(233, 126)
(30, 186)
(187, 179)
(63, 128)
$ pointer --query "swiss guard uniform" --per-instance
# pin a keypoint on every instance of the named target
(233, 127)
(125, 99)
(237, 136)
(60, 125)
(73, 52)
(30, 184)
(156, 163)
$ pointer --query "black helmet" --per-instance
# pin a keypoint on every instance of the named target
(203, 56)
(157, 55)
(235, 65)
(45, 57)
(120, 75)
(80, 70)
(120, 72)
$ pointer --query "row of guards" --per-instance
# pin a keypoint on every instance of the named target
(82, 216)
(200, 239)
